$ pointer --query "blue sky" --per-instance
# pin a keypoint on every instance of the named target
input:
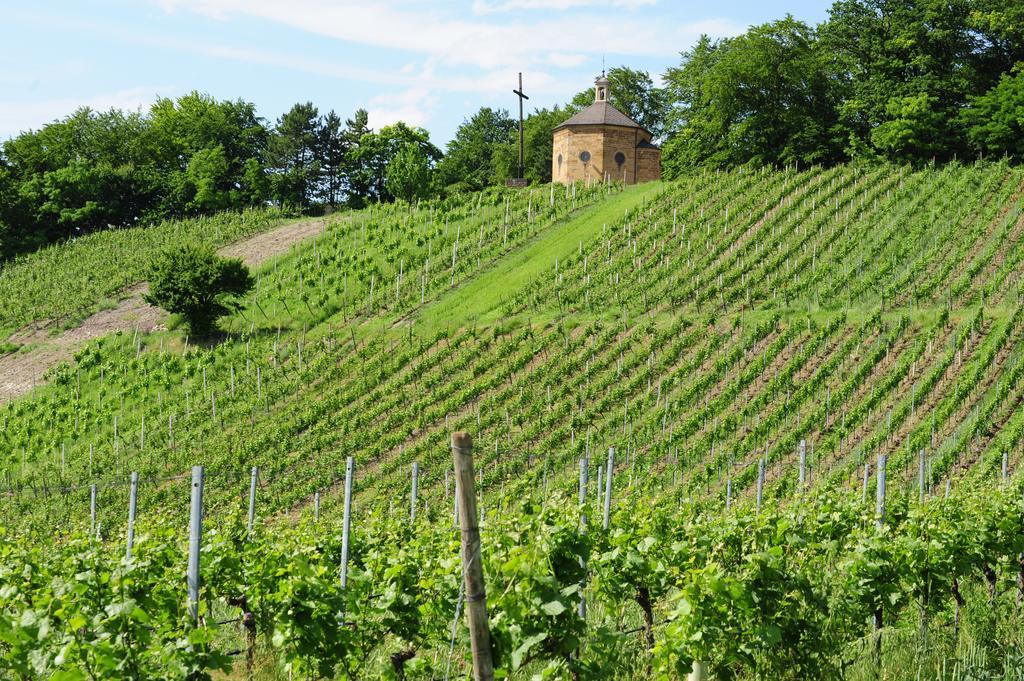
(427, 63)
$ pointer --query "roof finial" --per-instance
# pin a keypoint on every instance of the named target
(602, 66)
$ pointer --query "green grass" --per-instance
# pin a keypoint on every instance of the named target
(478, 301)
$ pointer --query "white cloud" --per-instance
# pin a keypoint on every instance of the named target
(565, 60)
(412, 106)
(26, 114)
(484, 7)
(457, 39)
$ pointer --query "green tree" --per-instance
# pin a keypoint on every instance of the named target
(197, 284)
(78, 174)
(471, 159)
(633, 93)
(357, 183)
(537, 129)
(370, 158)
(293, 155)
(994, 121)
(905, 56)
(194, 125)
(408, 173)
(768, 96)
(331, 148)
(206, 171)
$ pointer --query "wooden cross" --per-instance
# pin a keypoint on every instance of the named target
(521, 96)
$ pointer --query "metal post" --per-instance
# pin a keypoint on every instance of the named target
(1006, 466)
(803, 463)
(252, 497)
(728, 493)
(92, 510)
(864, 489)
(133, 495)
(760, 483)
(472, 568)
(316, 506)
(346, 522)
(415, 490)
(195, 534)
(608, 488)
(584, 474)
(920, 476)
(880, 491)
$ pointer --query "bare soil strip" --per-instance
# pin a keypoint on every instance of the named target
(21, 371)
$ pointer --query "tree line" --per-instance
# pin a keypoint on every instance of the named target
(907, 81)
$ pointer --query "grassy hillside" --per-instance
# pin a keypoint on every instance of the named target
(700, 328)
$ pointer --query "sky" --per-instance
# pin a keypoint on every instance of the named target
(428, 63)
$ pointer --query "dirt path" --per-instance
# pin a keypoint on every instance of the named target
(22, 371)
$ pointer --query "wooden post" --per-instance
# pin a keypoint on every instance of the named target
(472, 569)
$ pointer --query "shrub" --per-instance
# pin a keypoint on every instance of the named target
(199, 285)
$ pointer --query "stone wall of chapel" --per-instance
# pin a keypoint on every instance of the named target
(648, 165)
(603, 142)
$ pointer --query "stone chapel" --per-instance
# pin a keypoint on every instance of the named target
(601, 142)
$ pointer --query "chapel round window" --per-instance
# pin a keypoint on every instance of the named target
(620, 158)
(585, 156)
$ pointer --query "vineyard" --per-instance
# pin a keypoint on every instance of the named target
(684, 400)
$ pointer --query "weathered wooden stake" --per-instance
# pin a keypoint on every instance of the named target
(472, 568)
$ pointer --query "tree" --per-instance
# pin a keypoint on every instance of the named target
(293, 155)
(903, 57)
(331, 148)
(768, 96)
(994, 121)
(408, 173)
(203, 149)
(370, 158)
(357, 182)
(197, 284)
(537, 129)
(633, 93)
(472, 156)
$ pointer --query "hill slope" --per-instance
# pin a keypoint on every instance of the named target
(700, 328)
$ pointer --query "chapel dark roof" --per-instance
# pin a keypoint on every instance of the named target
(601, 113)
